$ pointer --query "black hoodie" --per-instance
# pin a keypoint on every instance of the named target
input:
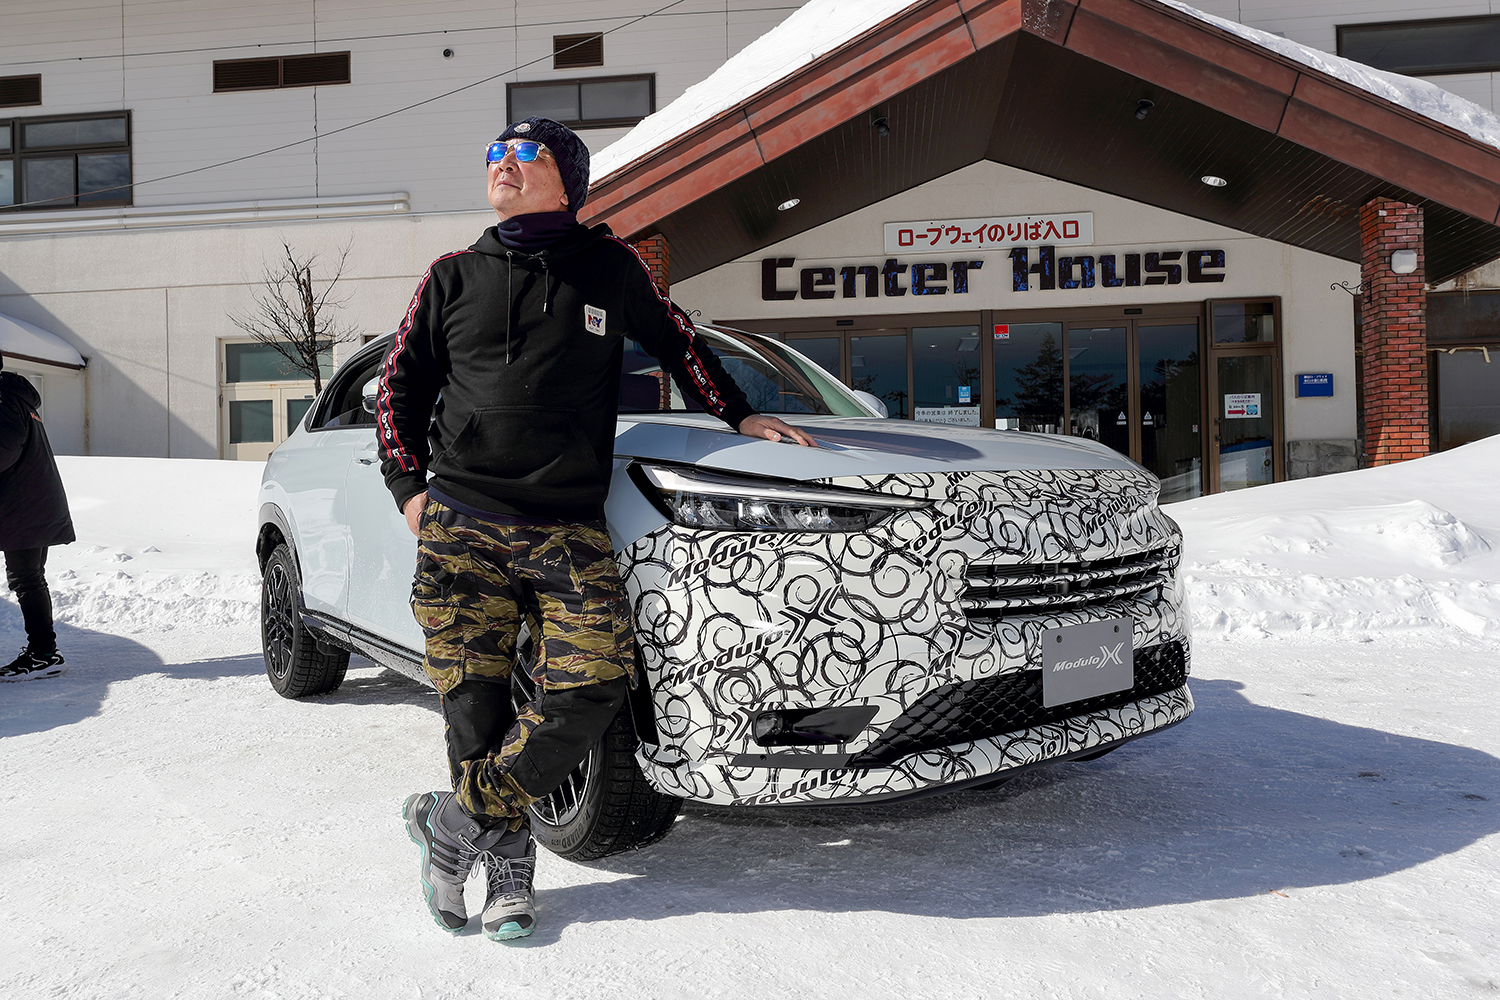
(525, 351)
(33, 506)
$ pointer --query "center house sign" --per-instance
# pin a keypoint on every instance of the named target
(1019, 235)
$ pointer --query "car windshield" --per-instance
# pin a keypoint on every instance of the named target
(773, 378)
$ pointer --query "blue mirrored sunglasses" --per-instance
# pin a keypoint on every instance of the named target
(525, 149)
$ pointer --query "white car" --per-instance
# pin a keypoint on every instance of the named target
(908, 608)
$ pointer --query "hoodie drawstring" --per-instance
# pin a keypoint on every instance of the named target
(510, 305)
(547, 281)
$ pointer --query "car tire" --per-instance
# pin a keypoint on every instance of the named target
(297, 664)
(606, 806)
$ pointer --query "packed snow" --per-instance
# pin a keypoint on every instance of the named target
(1325, 825)
(822, 26)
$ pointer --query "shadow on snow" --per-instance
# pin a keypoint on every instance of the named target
(1240, 800)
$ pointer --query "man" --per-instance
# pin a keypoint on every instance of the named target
(495, 417)
(33, 516)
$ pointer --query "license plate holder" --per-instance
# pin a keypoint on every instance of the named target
(1087, 660)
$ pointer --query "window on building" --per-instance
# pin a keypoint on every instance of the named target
(577, 51)
(75, 162)
(20, 91)
(316, 69)
(597, 102)
(1425, 48)
(263, 398)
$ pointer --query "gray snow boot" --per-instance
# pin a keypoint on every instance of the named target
(451, 841)
(509, 904)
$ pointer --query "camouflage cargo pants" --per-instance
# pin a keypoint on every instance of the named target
(477, 581)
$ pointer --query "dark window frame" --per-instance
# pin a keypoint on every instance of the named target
(280, 64)
(580, 82)
(19, 156)
(1434, 69)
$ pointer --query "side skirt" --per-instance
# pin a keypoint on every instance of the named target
(384, 652)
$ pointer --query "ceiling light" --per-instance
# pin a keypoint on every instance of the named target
(789, 203)
(1212, 181)
(1143, 108)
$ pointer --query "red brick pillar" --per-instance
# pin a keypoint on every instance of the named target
(1394, 322)
(653, 250)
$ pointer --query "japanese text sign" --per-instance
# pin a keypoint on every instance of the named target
(1241, 405)
(989, 234)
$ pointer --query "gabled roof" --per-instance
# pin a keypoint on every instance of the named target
(1051, 87)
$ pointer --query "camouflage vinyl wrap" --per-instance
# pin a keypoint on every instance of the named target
(476, 581)
(734, 623)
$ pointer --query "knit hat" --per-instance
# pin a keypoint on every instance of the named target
(567, 149)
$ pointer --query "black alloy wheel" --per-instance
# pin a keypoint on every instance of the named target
(296, 663)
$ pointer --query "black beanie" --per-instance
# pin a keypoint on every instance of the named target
(567, 149)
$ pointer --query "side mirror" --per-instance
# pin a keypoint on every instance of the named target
(371, 389)
(873, 401)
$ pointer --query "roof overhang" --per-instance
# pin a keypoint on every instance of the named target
(1052, 87)
(24, 342)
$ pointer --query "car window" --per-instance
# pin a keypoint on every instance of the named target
(343, 404)
(774, 379)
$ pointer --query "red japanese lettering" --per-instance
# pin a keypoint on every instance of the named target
(904, 238)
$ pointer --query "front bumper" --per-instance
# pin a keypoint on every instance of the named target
(732, 624)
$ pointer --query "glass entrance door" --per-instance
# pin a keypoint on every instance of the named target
(1098, 366)
(1171, 444)
(1243, 444)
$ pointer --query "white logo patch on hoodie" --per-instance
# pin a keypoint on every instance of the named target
(593, 320)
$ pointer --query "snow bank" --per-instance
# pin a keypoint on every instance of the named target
(162, 544)
(1404, 546)
(170, 544)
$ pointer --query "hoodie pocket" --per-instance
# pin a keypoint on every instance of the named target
(535, 448)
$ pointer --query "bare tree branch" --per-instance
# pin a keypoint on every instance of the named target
(293, 317)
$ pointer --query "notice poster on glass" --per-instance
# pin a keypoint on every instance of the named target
(1241, 405)
(962, 416)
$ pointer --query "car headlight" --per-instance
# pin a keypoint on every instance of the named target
(718, 501)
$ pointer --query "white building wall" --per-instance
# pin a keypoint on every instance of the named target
(155, 59)
(149, 308)
(1318, 322)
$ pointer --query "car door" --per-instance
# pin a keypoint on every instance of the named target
(382, 551)
(310, 467)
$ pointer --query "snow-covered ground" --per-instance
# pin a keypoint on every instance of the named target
(1324, 826)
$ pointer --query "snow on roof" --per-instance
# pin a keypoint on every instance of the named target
(1426, 99)
(817, 28)
(19, 337)
(820, 26)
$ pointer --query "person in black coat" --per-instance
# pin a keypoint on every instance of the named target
(33, 516)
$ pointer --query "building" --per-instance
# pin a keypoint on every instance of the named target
(1000, 214)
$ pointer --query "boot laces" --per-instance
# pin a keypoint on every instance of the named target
(507, 875)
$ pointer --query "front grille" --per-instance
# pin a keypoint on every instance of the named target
(977, 710)
(995, 591)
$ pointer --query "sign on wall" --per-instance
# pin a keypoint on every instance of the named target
(996, 233)
(1241, 405)
(1315, 384)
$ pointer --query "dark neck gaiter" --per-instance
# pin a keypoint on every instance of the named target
(536, 232)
